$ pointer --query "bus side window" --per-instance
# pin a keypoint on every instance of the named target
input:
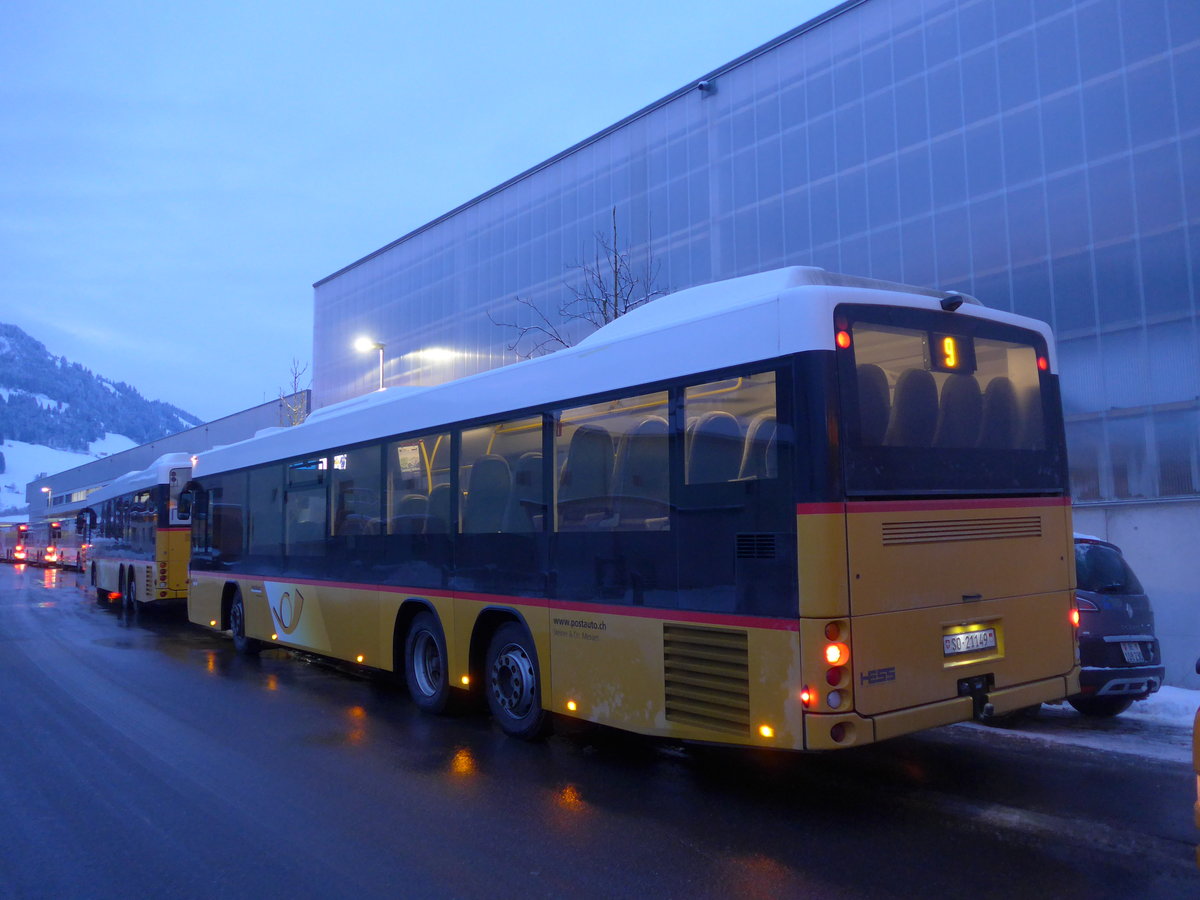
(418, 485)
(731, 430)
(613, 466)
(500, 478)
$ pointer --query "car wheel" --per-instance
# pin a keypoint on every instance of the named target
(425, 664)
(247, 646)
(1101, 707)
(514, 691)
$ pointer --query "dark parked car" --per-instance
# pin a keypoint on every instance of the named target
(1120, 657)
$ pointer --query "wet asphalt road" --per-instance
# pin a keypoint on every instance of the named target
(144, 758)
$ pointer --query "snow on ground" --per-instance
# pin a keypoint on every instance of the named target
(1171, 706)
(1159, 727)
(25, 462)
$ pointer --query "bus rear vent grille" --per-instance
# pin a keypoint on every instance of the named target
(962, 530)
(756, 546)
(707, 678)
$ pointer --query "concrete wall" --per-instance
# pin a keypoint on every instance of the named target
(1162, 542)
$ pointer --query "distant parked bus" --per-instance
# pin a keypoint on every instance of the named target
(14, 542)
(55, 542)
(794, 510)
(137, 533)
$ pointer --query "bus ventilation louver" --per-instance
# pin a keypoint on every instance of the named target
(707, 678)
(756, 546)
(962, 530)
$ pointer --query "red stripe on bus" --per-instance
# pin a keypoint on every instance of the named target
(774, 624)
(820, 509)
(857, 506)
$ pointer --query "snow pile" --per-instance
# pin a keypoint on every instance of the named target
(1171, 706)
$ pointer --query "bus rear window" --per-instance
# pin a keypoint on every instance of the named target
(921, 388)
(945, 403)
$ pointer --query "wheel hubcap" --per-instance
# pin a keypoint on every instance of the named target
(513, 681)
(427, 664)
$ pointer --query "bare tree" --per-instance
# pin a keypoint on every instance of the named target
(606, 289)
(293, 406)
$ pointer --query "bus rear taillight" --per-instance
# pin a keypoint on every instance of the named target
(837, 654)
(827, 678)
(18, 552)
(1074, 616)
(51, 554)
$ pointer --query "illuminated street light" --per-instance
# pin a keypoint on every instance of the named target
(46, 491)
(366, 345)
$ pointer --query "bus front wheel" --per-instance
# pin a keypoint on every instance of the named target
(514, 692)
(425, 669)
(243, 644)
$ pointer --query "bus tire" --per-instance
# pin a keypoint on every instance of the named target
(513, 683)
(242, 643)
(426, 670)
(129, 602)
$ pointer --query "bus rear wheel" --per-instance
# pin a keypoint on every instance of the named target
(514, 692)
(425, 668)
(129, 602)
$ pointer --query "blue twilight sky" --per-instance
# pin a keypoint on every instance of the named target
(174, 176)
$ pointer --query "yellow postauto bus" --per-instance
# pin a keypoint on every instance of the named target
(136, 534)
(794, 510)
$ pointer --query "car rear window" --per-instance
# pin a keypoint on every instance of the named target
(1102, 570)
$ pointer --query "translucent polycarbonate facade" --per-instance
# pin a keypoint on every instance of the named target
(1041, 154)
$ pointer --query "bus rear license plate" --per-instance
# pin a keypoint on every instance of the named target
(968, 641)
(1132, 651)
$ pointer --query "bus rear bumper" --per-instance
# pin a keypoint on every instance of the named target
(820, 732)
(1051, 690)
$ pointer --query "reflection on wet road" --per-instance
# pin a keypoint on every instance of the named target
(143, 756)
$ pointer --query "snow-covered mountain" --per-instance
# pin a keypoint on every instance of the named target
(55, 415)
(48, 400)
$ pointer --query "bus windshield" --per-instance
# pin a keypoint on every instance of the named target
(946, 403)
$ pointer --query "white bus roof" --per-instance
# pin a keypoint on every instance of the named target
(158, 472)
(712, 326)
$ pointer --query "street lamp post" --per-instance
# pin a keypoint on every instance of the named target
(46, 491)
(366, 345)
